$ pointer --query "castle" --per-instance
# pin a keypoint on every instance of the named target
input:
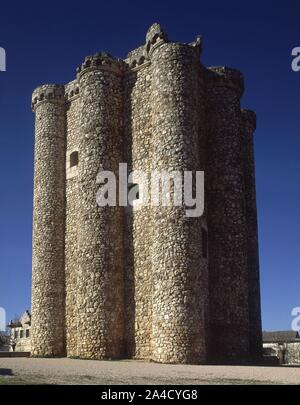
(110, 282)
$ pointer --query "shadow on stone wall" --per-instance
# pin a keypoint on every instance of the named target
(128, 238)
(6, 371)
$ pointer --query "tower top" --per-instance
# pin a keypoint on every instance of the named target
(154, 32)
(101, 61)
(224, 76)
(48, 93)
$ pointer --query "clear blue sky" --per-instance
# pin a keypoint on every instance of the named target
(46, 41)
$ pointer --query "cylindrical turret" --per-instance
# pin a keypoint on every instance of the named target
(48, 278)
(248, 128)
(178, 266)
(72, 95)
(138, 269)
(228, 274)
(100, 280)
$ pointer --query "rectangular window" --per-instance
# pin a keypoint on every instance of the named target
(27, 333)
(21, 334)
(74, 159)
(16, 334)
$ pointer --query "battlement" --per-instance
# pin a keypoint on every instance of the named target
(101, 61)
(53, 93)
(135, 53)
(249, 118)
(72, 90)
(137, 58)
(155, 37)
(224, 76)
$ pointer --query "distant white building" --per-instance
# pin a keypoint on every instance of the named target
(20, 333)
(285, 345)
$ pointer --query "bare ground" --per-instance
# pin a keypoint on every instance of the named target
(71, 371)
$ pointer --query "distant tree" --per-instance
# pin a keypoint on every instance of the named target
(4, 339)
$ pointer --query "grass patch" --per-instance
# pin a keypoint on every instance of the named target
(34, 379)
(22, 380)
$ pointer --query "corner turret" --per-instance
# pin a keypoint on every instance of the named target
(53, 93)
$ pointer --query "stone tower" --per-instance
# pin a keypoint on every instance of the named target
(114, 282)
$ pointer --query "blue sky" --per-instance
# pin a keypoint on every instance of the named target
(46, 41)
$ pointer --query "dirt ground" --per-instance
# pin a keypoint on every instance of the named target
(72, 371)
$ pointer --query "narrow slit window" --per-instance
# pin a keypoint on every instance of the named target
(74, 159)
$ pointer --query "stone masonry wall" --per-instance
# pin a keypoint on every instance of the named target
(138, 277)
(100, 281)
(228, 274)
(48, 273)
(114, 282)
(72, 212)
(248, 128)
(292, 354)
(178, 269)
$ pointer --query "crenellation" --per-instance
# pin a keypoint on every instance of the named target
(155, 36)
(223, 76)
(101, 61)
(137, 55)
(48, 93)
(72, 91)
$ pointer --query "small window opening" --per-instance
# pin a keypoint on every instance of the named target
(74, 159)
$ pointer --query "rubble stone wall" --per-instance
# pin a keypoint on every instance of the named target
(147, 283)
